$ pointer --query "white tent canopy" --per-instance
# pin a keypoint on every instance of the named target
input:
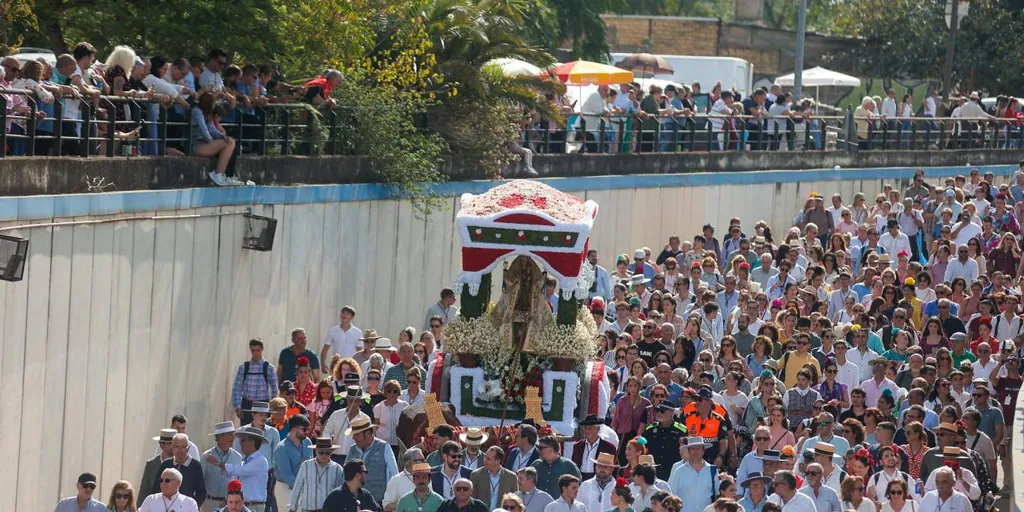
(820, 77)
(513, 67)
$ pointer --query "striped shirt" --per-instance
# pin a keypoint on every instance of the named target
(314, 482)
(252, 385)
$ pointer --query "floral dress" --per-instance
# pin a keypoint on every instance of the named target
(914, 460)
(305, 395)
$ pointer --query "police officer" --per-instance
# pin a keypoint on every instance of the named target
(713, 427)
(339, 401)
(663, 438)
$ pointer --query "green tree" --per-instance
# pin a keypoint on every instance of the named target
(988, 49)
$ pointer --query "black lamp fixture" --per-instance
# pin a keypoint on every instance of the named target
(259, 232)
(13, 254)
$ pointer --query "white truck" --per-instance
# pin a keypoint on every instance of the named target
(735, 73)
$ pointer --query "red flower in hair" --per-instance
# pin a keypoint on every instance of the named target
(302, 361)
(621, 482)
(234, 486)
(865, 454)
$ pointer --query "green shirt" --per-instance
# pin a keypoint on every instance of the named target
(410, 503)
(966, 356)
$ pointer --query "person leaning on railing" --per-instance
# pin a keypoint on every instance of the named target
(864, 116)
(209, 143)
(18, 105)
(318, 90)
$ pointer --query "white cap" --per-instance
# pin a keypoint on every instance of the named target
(639, 254)
(1007, 345)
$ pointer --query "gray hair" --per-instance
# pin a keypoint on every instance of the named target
(333, 74)
(463, 481)
(944, 470)
(173, 472)
(376, 358)
(529, 472)
(181, 436)
(411, 456)
(867, 100)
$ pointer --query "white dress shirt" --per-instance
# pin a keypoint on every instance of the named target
(967, 270)
(559, 505)
(800, 502)
(336, 426)
(160, 503)
(956, 503)
(595, 498)
(344, 343)
(966, 484)
(399, 485)
(862, 360)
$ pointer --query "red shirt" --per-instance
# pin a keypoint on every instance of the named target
(992, 343)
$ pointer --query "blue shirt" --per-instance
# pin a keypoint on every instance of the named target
(253, 473)
(268, 446)
(827, 499)
(674, 392)
(216, 480)
(748, 465)
(931, 420)
(696, 489)
(71, 505)
(494, 481)
(748, 505)
(288, 458)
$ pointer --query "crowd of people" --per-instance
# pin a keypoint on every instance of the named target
(205, 92)
(867, 359)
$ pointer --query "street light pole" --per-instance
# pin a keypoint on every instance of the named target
(798, 54)
(947, 69)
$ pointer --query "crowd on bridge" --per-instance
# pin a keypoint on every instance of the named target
(204, 92)
(866, 359)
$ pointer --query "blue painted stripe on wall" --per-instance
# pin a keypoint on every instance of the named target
(108, 203)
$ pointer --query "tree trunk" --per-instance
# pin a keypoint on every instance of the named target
(49, 24)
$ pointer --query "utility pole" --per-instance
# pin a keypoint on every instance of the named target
(798, 55)
(947, 69)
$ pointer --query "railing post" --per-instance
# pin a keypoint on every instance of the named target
(3, 126)
(942, 136)
(692, 128)
(741, 137)
(583, 133)
(58, 128)
(285, 147)
(332, 125)
(30, 129)
(712, 135)
(547, 137)
(885, 134)
(162, 130)
(620, 137)
(656, 146)
(188, 131)
(263, 131)
(86, 112)
(928, 132)
(913, 135)
(808, 123)
(675, 136)
(240, 122)
(309, 134)
(823, 128)
(899, 134)
(111, 127)
(600, 135)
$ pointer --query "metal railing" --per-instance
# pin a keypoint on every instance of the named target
(709, 132)
(132, 126)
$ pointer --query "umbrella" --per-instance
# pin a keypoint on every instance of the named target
(514, 67)
(583, 72)
(646, 63)
(819, 77)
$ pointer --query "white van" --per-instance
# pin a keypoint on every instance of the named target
(735, 73)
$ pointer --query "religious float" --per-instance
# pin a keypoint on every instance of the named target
(515, 358)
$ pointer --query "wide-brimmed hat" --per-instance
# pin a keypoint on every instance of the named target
(166, 435)
(638, 278)
(952, 452)
(325, 443)
(754, 476)
(949, 427)
(420, 467)
(879, 360)
(473, 437)
(770, 455)
(383, 344)
(353, 393)
(251, 432)
(647, 459)
(360, 424)
(263, 407)
(590, 420)
(824, 449)
(884, 258)
(605, 459)
(369, 335)
(223, 427)
(693, 442)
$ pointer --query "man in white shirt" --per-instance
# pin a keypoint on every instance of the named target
(338, 424)
(965, 229)
(569, 485)
(849, 373)
(596, 492)
(786, 495)
(344, 339)
(889, 108)
(963, 266)
(893, 240)
(944, 498)
(168, 499)
(593, 110)
(721, 109)
(836, 210)
(444, 308)
(402, 483)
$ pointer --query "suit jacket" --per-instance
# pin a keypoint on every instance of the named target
(513, 454)
(149, 476)
(482, 484)
(580, 446)
(437, 479)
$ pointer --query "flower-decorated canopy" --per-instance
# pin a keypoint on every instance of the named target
(529, 218)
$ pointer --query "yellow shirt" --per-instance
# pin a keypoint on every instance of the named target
(794, 364)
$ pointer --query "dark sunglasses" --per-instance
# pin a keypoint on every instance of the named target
(164, 480)
(372, 377)
(462, 488)
(762, 439)
(120, 496)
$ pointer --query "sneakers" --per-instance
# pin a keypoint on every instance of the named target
(233, 181)
(217, 178)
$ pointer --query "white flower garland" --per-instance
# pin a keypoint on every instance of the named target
(479, 381)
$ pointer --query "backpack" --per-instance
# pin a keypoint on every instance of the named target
(245, 372)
